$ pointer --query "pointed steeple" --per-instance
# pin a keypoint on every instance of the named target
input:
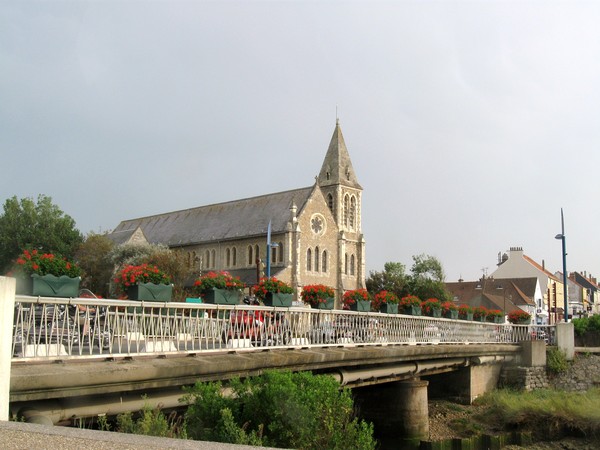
(337, 166)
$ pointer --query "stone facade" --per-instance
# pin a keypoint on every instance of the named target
(316, 232)
(527, 378)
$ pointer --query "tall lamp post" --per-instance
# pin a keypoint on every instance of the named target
(561, 236)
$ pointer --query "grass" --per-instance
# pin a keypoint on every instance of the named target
(550, 412)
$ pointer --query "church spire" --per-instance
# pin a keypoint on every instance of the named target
(337, 166)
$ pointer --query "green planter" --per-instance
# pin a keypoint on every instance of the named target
(451, 314)
(479, 319)
(495, 319)
(361, 305)
(389, 308)
(24, 285)
(469, 316)
(221, 296)
(412, 310)
(327, 304)
(437, 312)
(278, 299)
(150, 292)
(51, 286)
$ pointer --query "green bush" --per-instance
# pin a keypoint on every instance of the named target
(556, 360)
(580, 326)
(152, 422)
(278, 409)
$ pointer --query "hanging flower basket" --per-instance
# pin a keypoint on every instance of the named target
(150, 292)
(51, 286)
(219, 288)
(221, 296)
(278, 299)
(465, 312)
(385, 302)
(274, 292)
(410, 305)
(357, 300)
(318, 296)
(432, 307)
(449, 310)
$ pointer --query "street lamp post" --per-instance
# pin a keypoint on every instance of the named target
(561, 236)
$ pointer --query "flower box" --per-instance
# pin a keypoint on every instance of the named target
(479, 318)
(361, 305)
(51, 286)
(318, 294)
(221, 296)
(412, 310)
(278, 299)
(436, 312)
(451, 314)
(150, 292)
(467, 316)
(327, 304)
(389, 308)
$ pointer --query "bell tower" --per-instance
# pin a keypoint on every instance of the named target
(343, 194)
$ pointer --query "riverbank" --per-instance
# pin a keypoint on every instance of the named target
(449, 420)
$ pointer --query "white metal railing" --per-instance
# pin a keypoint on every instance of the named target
(51, 328)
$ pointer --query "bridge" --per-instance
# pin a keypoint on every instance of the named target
(68, 359)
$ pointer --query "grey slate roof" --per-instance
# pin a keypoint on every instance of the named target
(221, 221)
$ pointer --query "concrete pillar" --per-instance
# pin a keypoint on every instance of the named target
(565, 339)
(533, 353)
(7, 311)
(398, 410)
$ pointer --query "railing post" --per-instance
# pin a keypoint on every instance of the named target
(565, 339)
(7, 310)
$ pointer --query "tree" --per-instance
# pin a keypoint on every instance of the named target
(41, 225)
(93, 256)
(427, 278)
(393, 279)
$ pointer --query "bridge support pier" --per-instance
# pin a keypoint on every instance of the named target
(398, 410)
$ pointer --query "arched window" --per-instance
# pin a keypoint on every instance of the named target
(256, 252)
(206, 259)
(330, 201)
(352, 265)
(281, 252)
(346, 264)
(352, 215)
(194, 260)
(250, 258)
(324, 261)
(213, 259)
(308, 260)
(317, 254)
(234, 257)
(274, 254)
(227, 257)
(346, 207)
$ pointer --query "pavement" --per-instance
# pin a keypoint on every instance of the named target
(19, 435)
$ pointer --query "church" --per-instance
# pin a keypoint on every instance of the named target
(316, 235)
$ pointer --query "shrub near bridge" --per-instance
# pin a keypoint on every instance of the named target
(278, 409)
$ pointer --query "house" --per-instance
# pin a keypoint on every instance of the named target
(591, 291)
(516, 264)
(505, 295)
(316, 231)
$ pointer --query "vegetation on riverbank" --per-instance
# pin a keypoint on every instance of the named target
(277, 409)
(546, 413)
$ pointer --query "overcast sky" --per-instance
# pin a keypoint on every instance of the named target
(469, 124)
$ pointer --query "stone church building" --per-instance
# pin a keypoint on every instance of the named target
(315, 231)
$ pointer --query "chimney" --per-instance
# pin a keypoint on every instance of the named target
(543, 264)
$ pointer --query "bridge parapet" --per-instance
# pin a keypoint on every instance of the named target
(59, 329)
